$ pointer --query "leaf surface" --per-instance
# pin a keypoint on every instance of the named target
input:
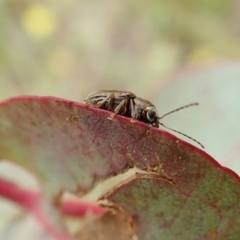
(203, 208)
(69, 146)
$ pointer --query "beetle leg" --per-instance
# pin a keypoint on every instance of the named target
(118, 108)
(111, 102)
(125, 107)
(132, 110)
(149, 126)
(111, 97)
(101, 103)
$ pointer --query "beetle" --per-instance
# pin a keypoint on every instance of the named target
(147, 112)
(129, 105)
(118, 102)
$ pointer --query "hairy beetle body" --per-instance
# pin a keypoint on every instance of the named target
(118, 102)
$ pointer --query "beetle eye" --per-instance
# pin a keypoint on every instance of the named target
(151, 114)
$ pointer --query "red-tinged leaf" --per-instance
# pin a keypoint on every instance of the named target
(204, 205)
(68, 145)
(64, 143)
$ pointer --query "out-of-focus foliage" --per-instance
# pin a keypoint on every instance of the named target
(69, 48)
(38, 21)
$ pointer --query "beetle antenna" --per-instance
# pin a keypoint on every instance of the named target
(182, 134)
(186, 106)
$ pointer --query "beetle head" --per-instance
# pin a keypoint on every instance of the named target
(151, 115)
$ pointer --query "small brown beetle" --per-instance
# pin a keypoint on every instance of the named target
(118, 102)
(129, 105)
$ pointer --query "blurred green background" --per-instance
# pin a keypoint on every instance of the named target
(71, 48)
